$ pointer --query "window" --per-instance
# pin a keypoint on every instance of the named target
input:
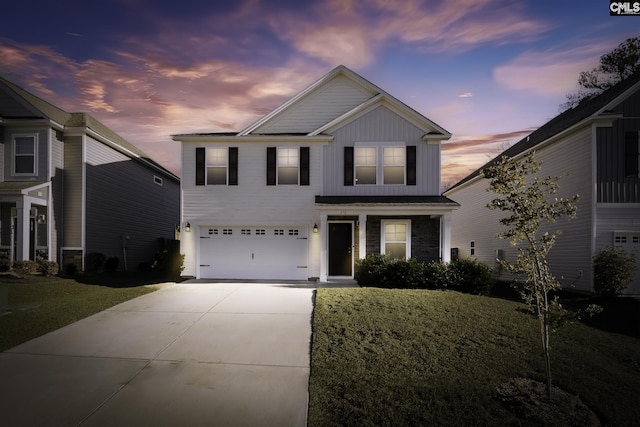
(472, 248)
(157, 180)
(393, 165)
(217, 166)
(24, 155)
(288, 166)
(632, 154)
(396, 239)
(365, 162)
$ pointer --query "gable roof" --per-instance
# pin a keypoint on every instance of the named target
(597, 107)
(374, 97)
(38, 108)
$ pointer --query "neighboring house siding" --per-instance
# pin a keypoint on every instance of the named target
(381, 125)
(4, 140)
(56, 174)
(123, 201)
(572, 252)
(73, 193)
(318, 108)
(236, 204)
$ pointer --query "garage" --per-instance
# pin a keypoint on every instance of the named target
(269, 253)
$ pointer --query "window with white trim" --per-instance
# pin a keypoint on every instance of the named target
(24, 154)
(393, 161)
(472, 247)
(366, 159)
(395, 239)
(288, 163)
(217, 162)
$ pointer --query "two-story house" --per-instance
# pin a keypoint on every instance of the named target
(70, 186)
(341, 170)
(597, 144)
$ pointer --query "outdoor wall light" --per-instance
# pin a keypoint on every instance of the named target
(315, 228)
(187, 228)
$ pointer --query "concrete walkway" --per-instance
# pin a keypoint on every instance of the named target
(192, 354)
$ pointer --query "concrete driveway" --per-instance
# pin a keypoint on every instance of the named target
(195, 353)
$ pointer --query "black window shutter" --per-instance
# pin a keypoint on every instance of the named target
(201, 167)
(304, 165)
(233, 165)
(271, 165)
(631, 153)
(411, 165)
(348, 166)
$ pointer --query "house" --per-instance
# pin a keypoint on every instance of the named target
(341, 170)
(597, 144)
(70, 186)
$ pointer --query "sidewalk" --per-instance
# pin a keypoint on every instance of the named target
(214, 354)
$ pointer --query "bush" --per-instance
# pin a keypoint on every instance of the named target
(48, 268)
(70, 269)
(24, 268)
(111, 265)
(5, 265)
(613, 270)
(472, 276)
(94, 262)
(169, 262)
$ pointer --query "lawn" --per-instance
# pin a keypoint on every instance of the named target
(419, 357)
(38, 305)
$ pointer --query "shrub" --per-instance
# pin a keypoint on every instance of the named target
(613, 270)
(5, 265)
(437, 275)
(70, 269)
(170, 262)
(94, 262)
(472, 276)
(48, 268)
(111, 265)
(369, 270)
(24, 268)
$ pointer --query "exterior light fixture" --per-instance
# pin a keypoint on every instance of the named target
(315, 228)
(187, 228)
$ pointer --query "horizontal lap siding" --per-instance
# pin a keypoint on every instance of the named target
(56, 208)
(318, 108)
(382, 125)
(251, 202)
(474, 222)
(124, 200)
(73, 193)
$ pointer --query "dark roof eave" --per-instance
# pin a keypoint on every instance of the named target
(440, 201)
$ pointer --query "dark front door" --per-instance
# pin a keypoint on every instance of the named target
(340, 249)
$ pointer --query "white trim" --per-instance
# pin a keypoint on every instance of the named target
(35, 138)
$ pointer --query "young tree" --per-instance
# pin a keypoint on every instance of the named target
(530, 202)
(614, 67)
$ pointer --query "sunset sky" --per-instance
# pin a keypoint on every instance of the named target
(488, 71)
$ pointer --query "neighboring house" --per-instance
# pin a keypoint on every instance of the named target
(597, 144)
(69, 186)
(341, 170)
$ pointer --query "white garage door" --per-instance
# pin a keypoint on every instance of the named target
(631, 243)
(253, 253)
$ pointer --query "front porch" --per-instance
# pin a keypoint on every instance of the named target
(353, 227)
(24, 225)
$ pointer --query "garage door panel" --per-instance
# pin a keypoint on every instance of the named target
(253, 253)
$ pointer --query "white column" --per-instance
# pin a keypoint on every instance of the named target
(324, 241)
(22, 234)
(445, 225)
(362, 234)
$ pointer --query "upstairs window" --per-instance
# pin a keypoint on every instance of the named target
(24, 155)
(366, 160)
(217, 166)
(393, 165)
(288, 166)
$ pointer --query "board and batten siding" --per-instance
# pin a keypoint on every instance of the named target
(317, 108)
(381, 125)
(237, 205)
(570, 259)
(73, 188)
(122, 200)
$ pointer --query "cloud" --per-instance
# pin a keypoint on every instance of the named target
(550, 72)
(466, 95)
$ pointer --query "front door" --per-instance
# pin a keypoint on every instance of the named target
(341, 249)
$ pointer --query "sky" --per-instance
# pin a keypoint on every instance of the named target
(488, 71)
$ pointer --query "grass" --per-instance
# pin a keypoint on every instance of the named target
(38, 305)
(418, 357)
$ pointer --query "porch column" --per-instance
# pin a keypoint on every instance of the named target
(22, 232)
(445, 230)
(362, 236)
(324, 232)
